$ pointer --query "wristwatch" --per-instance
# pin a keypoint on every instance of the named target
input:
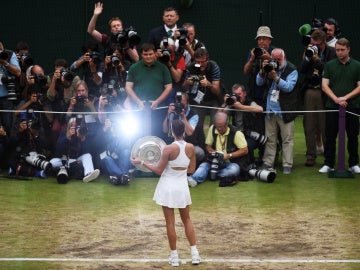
(230, 155)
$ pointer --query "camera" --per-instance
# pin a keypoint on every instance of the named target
(62, 177)
(196, 77)
(95, 57)
(26, 60)
(38, 161)
(179, 107)
(306, 30)
(165, 57)
(272, 65)
(115, 60)
(67, 75)
(261, 139)
(9, 83)
(5, 54)
(232, 99)
(129, 34)
(183, 36)
(311, 51)
(81, 125)
(265, 175)
(217, 162)
(40, 80)
(258, 52)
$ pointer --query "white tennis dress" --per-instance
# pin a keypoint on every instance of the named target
(172, 189)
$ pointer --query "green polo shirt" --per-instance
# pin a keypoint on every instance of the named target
(343, 79)
(149, 81)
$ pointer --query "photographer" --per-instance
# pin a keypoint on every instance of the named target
(202, 82)
(186, 43)
(128, 50)
(90, 64)
(61, 90)
(25, 59)
(9, 71)
(280, 78)
(27, 156)
(181, 110)
(175, 61)
(315, 56)
(115, 72)
(226, 148)
(245, 117)
(77, 162)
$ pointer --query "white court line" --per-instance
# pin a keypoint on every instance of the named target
(165, 260)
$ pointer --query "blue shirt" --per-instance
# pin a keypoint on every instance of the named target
(4, 72)
(287, 85)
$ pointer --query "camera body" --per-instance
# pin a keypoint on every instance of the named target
(128, 34)
(183, 36)
(26, 60)
(232, 99)
(311, 51)
(95, 57)
(115, 59)
(67, 75)
(5, 54)
(165, 57)
(272, 65)
(179, 107)
(258, 52)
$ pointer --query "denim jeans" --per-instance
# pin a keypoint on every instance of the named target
(86, 160)
(231, 169)
(119, 166)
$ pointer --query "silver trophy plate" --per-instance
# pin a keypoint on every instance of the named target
(148, 149)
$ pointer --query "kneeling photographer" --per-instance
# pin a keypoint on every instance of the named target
(27, 157)
(246, 116)
(76, 162)
(227, 151)
(181, 110)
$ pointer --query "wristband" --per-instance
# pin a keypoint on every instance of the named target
(142, 163)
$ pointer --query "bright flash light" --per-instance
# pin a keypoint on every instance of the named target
(129, 124)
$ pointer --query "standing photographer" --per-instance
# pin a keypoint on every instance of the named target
(315, 56)
(9, 71)
(225, 147)
(128, 50)
(91, 65)
(280, 78)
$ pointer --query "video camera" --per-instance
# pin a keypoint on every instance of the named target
(184, 34)
(129, 34)
(232, 99)
(272, 65)
(306, 30)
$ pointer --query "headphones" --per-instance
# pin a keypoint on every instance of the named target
(334, 22)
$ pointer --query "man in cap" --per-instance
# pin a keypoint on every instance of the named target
(252, 67)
